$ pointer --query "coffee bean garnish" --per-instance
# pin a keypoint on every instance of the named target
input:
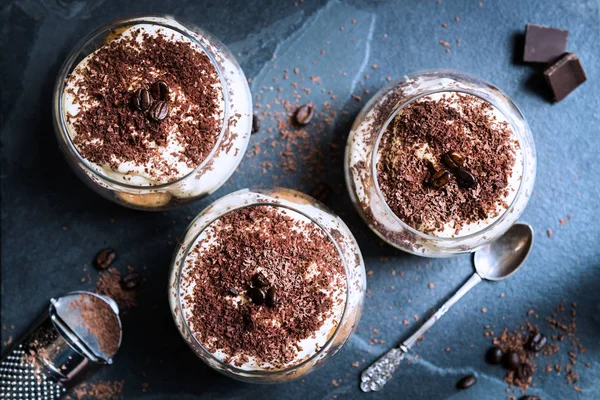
(439, 179)
(536, 342)
(257, 296)
(494, 355)
(524, 372)
(160, 91)
(511, 360)
(141, 99)
(530, 398)
(105, 257)
(259, 280)
(464, 178)
(304, 114)
(271, 299)
(158, 111)
(453, 159)
(466, 382)
(131, 281)
(255, 124)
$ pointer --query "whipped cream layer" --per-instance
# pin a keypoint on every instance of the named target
(166, 162)
(304, 348)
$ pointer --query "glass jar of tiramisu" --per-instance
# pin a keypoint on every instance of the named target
(266, 285)
(440, 163)
(152, 112)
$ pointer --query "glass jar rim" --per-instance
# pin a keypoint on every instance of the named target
(456, 76)
(264, 201)
(164, 20)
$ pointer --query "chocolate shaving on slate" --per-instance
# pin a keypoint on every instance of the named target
(279, 248)
(104, 131)
(485, 144)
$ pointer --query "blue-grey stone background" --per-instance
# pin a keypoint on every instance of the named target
(52, 225)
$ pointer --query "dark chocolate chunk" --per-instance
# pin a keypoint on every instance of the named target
(158, 111)
(544, 43)
(530, 397)
(105, 258)
(304, 114)
(255, 124)
(565, 75)
(160, 91)
(271, 299)
(511, 360)
(257, 296)
(466, 382)
(494, 355)
(536, 342)
(131, 281)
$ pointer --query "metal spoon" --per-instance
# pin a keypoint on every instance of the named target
(495, 261)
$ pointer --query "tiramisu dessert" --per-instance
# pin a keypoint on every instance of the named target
(435, 172)
(158, 114)
(269, 285)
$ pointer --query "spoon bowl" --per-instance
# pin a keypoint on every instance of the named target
(502, 258)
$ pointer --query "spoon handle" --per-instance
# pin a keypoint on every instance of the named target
(377, 375)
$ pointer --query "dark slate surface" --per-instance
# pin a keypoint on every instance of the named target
(40, 195)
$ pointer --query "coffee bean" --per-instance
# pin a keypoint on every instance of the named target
(160, 91)
(466, 382)
(105, 258)
(463, 178)
(511, 360)
(453, 159)
(145, 100)
(524, 372)
(439, 179)
(271, 299)
(255, 124)
(259, 280)
(530, 398)
(536, 342)
(494, 355)
(257, 296)
(304, 114)
(131, 281)
(158, 111)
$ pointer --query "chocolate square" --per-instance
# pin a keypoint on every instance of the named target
(565, 75)
(543, 43)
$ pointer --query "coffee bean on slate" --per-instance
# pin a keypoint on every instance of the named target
(160, 91)
(105, 258)
(530, 397)
(511, 360)
(494, 355)
(131, 281)
(158, 111)
(255, 124)
(259, 280)
(321, 192)
(439, 179)
(257, 296)
(304, 114)
(536, 342)
(464, 178)
(524, 372)
(271, 299)
(466, 382)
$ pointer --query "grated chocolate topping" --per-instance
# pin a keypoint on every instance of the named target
(294, 257)
(110, 131)
(414, 144)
